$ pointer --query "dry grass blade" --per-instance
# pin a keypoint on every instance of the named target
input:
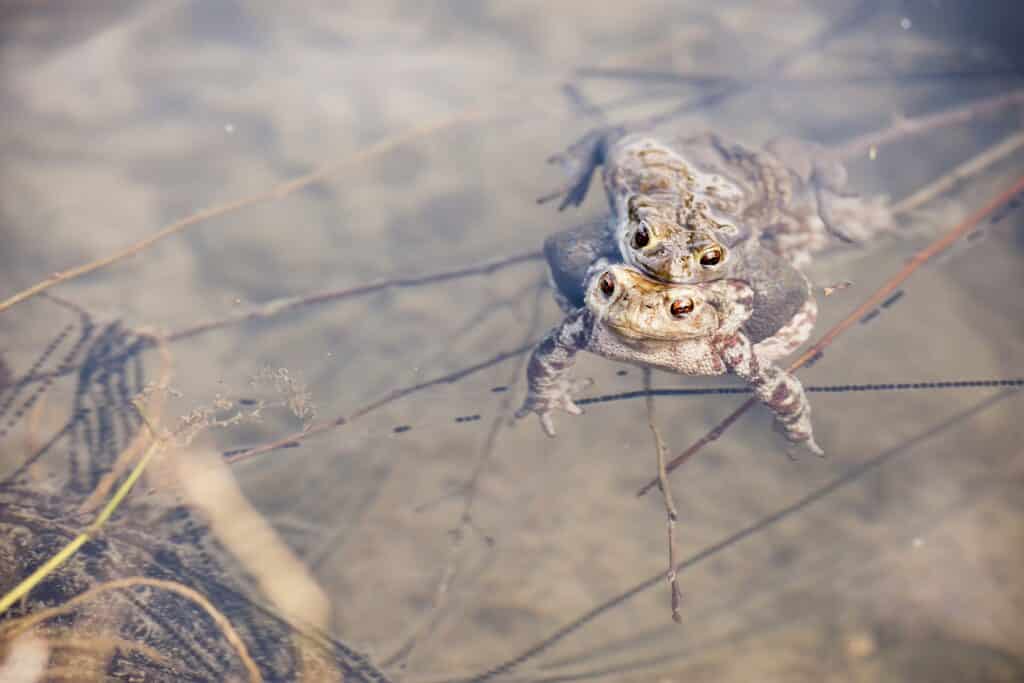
(880, 295)
(277, 192)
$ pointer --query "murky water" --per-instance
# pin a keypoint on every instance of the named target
(445, 539)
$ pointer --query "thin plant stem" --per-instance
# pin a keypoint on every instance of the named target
(948, 181)
(905, 127)
(274, 193)
(671, 514)
(279, 306)
(704, 79)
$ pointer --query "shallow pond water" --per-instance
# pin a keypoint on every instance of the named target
(429, 531)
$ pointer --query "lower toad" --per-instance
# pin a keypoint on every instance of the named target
(704, 329)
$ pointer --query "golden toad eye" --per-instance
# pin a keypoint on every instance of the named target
(711, 257)
(607, 284)
(681, 308)
(641, 238)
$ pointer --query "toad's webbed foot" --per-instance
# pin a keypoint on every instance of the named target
(784, 395)
(796, 449)
(580, 161)
(558, 395)
(548, 374)
(777, 389)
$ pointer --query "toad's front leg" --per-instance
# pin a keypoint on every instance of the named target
(580, 161)
(779, 390)
(548, 375)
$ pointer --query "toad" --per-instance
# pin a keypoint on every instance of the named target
(680, 207)
(696, 329)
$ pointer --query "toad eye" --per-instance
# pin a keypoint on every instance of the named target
(680, 308)
(642, 237)
(711, 257)
(607, 285)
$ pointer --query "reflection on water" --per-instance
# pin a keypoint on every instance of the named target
(408, 517)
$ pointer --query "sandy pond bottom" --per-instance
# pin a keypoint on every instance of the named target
(450, 547)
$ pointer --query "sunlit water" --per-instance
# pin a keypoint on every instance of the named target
(457, 541)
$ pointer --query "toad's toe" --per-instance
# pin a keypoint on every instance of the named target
(547, 424)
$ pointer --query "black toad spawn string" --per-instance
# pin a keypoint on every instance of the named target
(824, 389)
(1010, 383)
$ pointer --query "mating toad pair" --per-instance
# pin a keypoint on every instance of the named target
(695, 269)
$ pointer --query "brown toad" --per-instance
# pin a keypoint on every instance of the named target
(701, 329)
(679, 206)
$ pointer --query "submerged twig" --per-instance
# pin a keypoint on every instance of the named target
(276, 307)
(948, 181)
(279, 306)
(711, 78)
(881, 294)
(276, 192)
(671, 514)
(905, 127)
